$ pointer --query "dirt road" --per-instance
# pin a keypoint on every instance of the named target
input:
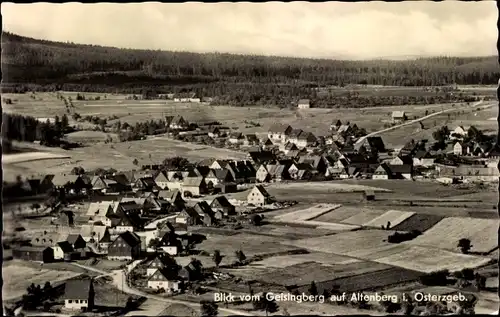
(360, 140)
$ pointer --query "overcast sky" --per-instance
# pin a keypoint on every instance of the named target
(331, 30)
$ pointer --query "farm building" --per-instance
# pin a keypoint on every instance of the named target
(79, 294)
(305, 139)
(221, 203)
(304, 104)
(159, 262)
(194, 186)
(258, 196)
(163, 279)
(39, 254)
(76, 241)
(218, 176)
(279, 132)
(226, 188)
(188, 216)
(127, 246)
(398, 116)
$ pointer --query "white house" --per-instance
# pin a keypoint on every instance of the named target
(382, 172)
(162, 180)
(423, 158)
(160, 279)
(79, 294)
(459, 132)
(304, 104)
(398, 116)
(461, 149)
(279, 132)
(258, 196)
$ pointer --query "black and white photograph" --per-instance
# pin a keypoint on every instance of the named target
(250, 159)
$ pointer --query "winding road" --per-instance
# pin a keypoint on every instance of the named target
(120, 282)
(362, 139)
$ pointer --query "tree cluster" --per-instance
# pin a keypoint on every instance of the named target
(29, 129)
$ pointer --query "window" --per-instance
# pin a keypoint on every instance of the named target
(77, 301)
(84, 301)
(70, 301)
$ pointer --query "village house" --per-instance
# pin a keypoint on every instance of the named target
(304, 104)
(289, 146)
(71, 184)
(98, 211)
(214, 132)
(267, 144)
(174, 180)
(40, 185)
(278, 172)
(402, 160)
(76, 241)
(174, 197)
(33, 253)
(300, 171)
(279, 133)
(470, 173)
(165, 280)
(398, 116)
(404, 171)
(225, 188)
(461, 148)
(317, 162)
(169, 243)
(161, 180)
(191, 272)
(220, 203)
(236, 138)
(345, 130)
(206, 213)
(218, 164)
(62, 250)
(480, 149)
(262, 157)
(127, 246)
(335, 125)
(423, 158)
(178, 123)
(237, 172)
(305, 139)
(382, 172)
(218, 176)
(250, 140)
(194, 187)
(458, 133)
(188, 216)
(293, 136)
(79, 294)
(262, 174)
(159, 262)
(96, 234)
(145, 184)
(372, 144)
(333, 172)
(258, 196)
(128, 222)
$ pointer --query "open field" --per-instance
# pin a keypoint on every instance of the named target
(338, 214)
(17, 277)
(420, 222)
(344, 243)
(90, 136)
(117, 155)
(394, 217)
(307, 214)
(315, 120)
(363, 217)
(305, 273)
(250, 245)
(429, 259)
(483, 234)
(318, 257)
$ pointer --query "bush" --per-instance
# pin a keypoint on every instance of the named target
(438, 278)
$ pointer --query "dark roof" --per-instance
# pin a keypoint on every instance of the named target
(191, 212)
(72, 238)
(407, 159)
(304, 101)
(402, 169)
(376, 142)
(422, 154)
(262, 156)
(295, 133)
(262, 190)
(279, 128)
(203, 207)
(221, 174)
(65, 246)
(222, 200)
(130, 238)
(77, 289)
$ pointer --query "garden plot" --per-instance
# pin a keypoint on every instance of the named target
(483, 233)
(339, 214)
(305, 273)
(363, 217)
(17, 277)
(318, 257)
(306, 214)
(395, 217)
(345, 243)
(420, 222)
(428, 260)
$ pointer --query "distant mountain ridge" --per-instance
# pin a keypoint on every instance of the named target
(40, 62)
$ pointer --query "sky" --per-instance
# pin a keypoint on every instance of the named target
(322, 30)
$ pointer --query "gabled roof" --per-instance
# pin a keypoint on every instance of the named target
(251, 138)
(130, 238)
(403, 169)
(163, 259)
(89, 230)
(276, 169)
(203, 208)
(169, 194)
(222, 174)
(303, 101)
(163, 275)
(236, 135)
(279, 128)
(296, 133)
(398, 114)
(376, 142)
(99, 208)
(262, 156)
(422, 154)
(191, 212)
(192, 181)
(65, 246)
(262, 190)
(222, 201)
(290, 146)
(344, 128)
(62, 180)
(72, 238)
(78, 289)
(406, 159)
(307, 136)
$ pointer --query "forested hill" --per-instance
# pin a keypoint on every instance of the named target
(45, 63)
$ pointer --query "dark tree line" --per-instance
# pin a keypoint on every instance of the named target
(67, 62)
(29, 129)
